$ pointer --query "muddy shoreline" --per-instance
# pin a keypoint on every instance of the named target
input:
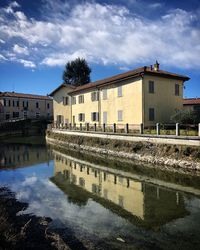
(24, 231)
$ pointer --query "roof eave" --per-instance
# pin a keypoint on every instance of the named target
(59, 87)
(184, 78)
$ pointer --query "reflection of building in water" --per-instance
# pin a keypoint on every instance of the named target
(138, 201)
(17, 155)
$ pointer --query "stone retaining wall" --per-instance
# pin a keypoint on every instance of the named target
(148, 154)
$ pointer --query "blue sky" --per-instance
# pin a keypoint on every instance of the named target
(37, 38)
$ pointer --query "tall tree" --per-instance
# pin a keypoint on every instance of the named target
(77, 72)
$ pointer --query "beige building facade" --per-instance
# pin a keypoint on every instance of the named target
(145, 95)
(17, 105)
(132, 198)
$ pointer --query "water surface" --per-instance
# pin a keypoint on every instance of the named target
(105, 203)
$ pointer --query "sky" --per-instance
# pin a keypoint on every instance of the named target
(38, 38)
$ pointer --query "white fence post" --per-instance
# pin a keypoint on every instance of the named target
(199, 129)
(177, 129)
(158, 128)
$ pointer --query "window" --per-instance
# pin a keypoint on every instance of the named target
(48, 106)
(95, 116)
(105, 117)
(37, 105)
(81, 182)
(81, 99)
(119, 89)
(15, 114)
(25, 114)
(177, 89)
(4, 102)
(9, 103)
(17, 103)
(81, 117)
(95, 189)
(95, 96)
(120, 115)
(73, 100)
(37, 114)
(25, 104)
(196, 108)
(66, 100)
(104, 91)
(151, 114)
(151, 86)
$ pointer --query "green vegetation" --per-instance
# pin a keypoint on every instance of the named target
(186, 117)
(77, 72)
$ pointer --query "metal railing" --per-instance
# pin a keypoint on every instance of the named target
(157, 129)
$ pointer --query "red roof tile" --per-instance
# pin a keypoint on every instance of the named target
(22, 95)
(191, 101)
(130, 74)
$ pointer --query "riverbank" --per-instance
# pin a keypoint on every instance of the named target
(24, 231)
(176, 156)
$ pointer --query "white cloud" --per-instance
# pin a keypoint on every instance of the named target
(2, 58)
(10, 8)
(123, 68)
(20, 50)
(155, 5)
(105, 34)
(30, 180)
(14, 4)
(26, 63)
(2, 41)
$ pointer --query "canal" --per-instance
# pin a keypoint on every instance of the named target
(103, 203)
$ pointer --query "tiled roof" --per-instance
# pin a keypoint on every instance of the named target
(130, 74)
(191, 101)
(61, 86)
(22, 95)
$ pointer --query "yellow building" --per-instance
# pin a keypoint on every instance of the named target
(117, 190)
(145, 95)
(16, 155)
(17, 105)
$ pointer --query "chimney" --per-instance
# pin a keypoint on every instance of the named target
(156, 66)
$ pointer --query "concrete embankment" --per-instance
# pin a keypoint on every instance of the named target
(173, 155)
